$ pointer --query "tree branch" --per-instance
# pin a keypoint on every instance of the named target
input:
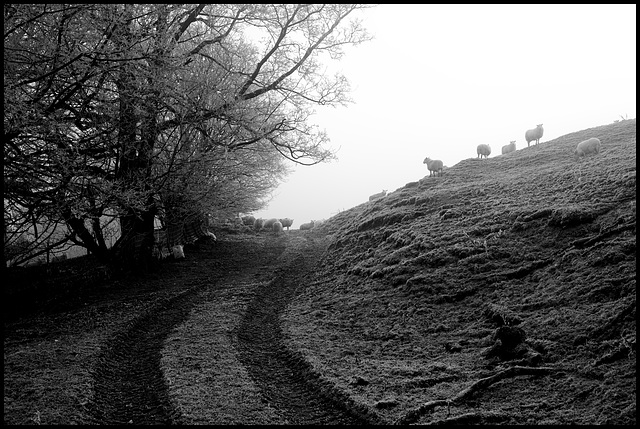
(483, 383)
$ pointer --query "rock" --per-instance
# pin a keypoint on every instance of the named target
(359, 381)
(386, 404)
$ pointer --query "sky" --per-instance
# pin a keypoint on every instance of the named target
(437, 80)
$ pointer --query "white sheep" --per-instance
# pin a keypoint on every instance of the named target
(257, 225)
(286, 223)
(277, 227)
(268, 224)
(534, 134)
(511, 147)
(586, 147)
(307, 226)
(378, 195)
(433, 165)
(484, 150)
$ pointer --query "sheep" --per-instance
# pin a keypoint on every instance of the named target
(511, 147)
(433, 165)
(378, 195)
(586, 147)
(268, 224)
(248, 220)
(277, 227)
(286, 223)
(307, 226)
(534, 134)
(257, 225)
(484, 150)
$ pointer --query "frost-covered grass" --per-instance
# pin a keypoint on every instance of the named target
(412, 279)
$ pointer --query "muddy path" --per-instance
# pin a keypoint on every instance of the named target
(130, 388)
(286, 380)
(128, 384)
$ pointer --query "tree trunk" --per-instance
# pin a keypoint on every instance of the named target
(135, 247)
(137, 136)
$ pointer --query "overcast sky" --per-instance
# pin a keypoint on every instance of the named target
(437, 80)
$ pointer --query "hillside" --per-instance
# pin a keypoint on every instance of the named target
(502, 292)
(524, 261)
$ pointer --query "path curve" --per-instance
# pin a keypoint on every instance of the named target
(129, 385)
(286, 379)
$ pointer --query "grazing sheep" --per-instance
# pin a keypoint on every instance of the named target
(378, 195)
(534, 134)
(277, 227)
(257, 225)
(248, 220)
(268, 224)
(307, 226)
(484, 150)
(433, 165)
(511, 147)
(286, 223)
(586, 147)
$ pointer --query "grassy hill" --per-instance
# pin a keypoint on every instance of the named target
(520, 267)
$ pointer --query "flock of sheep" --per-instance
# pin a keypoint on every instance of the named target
(274, 225)
(586, 147)
(435, 167)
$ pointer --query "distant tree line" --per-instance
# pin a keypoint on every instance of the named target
(130, 110)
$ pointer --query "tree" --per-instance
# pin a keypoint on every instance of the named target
(130, 102)
(55, 120)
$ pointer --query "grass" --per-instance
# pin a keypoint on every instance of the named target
(408, 278)
(411, 311)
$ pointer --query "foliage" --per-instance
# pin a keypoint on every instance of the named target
(111, 108)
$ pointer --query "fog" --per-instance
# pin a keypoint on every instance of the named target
(438, 80)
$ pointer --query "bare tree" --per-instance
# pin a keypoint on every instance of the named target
(109, 106)
(55, 121)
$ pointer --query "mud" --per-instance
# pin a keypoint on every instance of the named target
(129, 386)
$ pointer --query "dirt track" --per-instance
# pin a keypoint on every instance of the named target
(284, 377)
(129, 386)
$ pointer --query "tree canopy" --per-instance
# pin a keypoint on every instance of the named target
(117, 109)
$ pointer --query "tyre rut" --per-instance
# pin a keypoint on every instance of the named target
(129, 387)
(286, 379)
(128, 383)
